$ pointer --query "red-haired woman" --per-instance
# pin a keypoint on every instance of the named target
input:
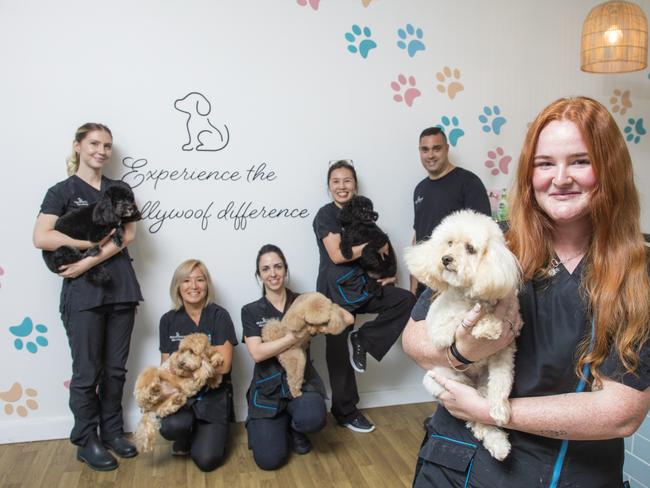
(582, 372)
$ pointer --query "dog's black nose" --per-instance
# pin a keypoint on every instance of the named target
(446, 259)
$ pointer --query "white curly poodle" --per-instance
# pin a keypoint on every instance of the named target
(466, 261)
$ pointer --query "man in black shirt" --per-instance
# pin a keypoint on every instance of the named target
(446, 188)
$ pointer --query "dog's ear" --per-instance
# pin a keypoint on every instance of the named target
(202, 105)
(104, 213)
(294, 319)
(423, 261)
(316, 308)
(498, 272)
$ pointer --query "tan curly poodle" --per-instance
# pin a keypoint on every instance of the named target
(310, 313)
(163, 390)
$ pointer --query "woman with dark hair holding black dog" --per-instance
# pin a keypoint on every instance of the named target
(98, 319)
(275, 419)
(345, 283)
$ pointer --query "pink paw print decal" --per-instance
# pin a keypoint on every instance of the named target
(2, 271)
(405, 90)
(312, 3)
(498, 161)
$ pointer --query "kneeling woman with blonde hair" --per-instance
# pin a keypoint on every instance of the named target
(201, 427)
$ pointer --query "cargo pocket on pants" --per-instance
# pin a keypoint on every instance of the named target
(443, 459)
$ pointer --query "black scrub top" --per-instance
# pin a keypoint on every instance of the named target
(79, 294)
(554, 312)
(269, 393)
(344, 284)
(210, 405)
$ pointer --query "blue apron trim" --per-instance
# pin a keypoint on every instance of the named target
(471, 463)
(268, 378)
(363, 296)
(559, 462)
(262, 381)
(259, 405)
(453, 440)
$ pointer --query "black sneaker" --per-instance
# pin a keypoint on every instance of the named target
(181, 447)
(359, 424)
(300, 443)
(357, 353)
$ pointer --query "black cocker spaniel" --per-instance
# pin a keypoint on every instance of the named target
(94, 222)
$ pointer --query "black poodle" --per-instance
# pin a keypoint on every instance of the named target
(357, 219)
(92, 223)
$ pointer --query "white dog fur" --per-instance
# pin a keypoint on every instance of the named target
(466, 261)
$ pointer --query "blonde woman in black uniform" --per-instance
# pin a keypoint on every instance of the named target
(98, 319)
(201, 427)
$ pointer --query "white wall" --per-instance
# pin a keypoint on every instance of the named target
(279, 75)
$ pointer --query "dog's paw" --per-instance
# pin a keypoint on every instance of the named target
(489, 327)
(432, 386)
(497, 444)
(216, 359)
(500, 412)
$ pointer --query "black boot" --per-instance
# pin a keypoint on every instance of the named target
(95, 455)
(121, 447)
(300, 443)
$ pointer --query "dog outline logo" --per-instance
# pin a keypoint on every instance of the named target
(203, 135)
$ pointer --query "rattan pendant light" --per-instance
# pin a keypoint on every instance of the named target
(614, 39)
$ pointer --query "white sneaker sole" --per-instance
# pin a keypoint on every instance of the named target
(354, 366)
(357, 429)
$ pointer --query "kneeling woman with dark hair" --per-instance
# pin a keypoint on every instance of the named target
(274, 416)
(201, 427)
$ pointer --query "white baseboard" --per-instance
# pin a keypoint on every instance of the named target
(40, 429)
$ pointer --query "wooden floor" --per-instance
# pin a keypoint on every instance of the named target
(340, 458)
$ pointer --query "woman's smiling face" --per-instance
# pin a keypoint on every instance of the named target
(342, 186)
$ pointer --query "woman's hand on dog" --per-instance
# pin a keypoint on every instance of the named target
(74, 270)
(387, 281)
(300, 340)
(462, 401)
(475, 349)
(384, 251)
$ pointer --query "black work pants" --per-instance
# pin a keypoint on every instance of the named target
(207, 439)
(99, 342)
(269, 438)
(376, 336)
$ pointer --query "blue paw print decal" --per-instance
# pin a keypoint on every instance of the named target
(491, 119)
(634, 130)
(455, 133)
(365, 45)
(23, 330)
(410, 39)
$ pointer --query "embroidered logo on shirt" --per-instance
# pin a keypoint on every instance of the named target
(80, 202)
(262, 322)
(418, 200)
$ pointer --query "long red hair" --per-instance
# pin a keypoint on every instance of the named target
(616, 281)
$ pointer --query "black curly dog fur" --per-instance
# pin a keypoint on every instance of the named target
(357, 219)
(92, 223)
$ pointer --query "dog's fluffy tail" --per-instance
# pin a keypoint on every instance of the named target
(145, 432)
